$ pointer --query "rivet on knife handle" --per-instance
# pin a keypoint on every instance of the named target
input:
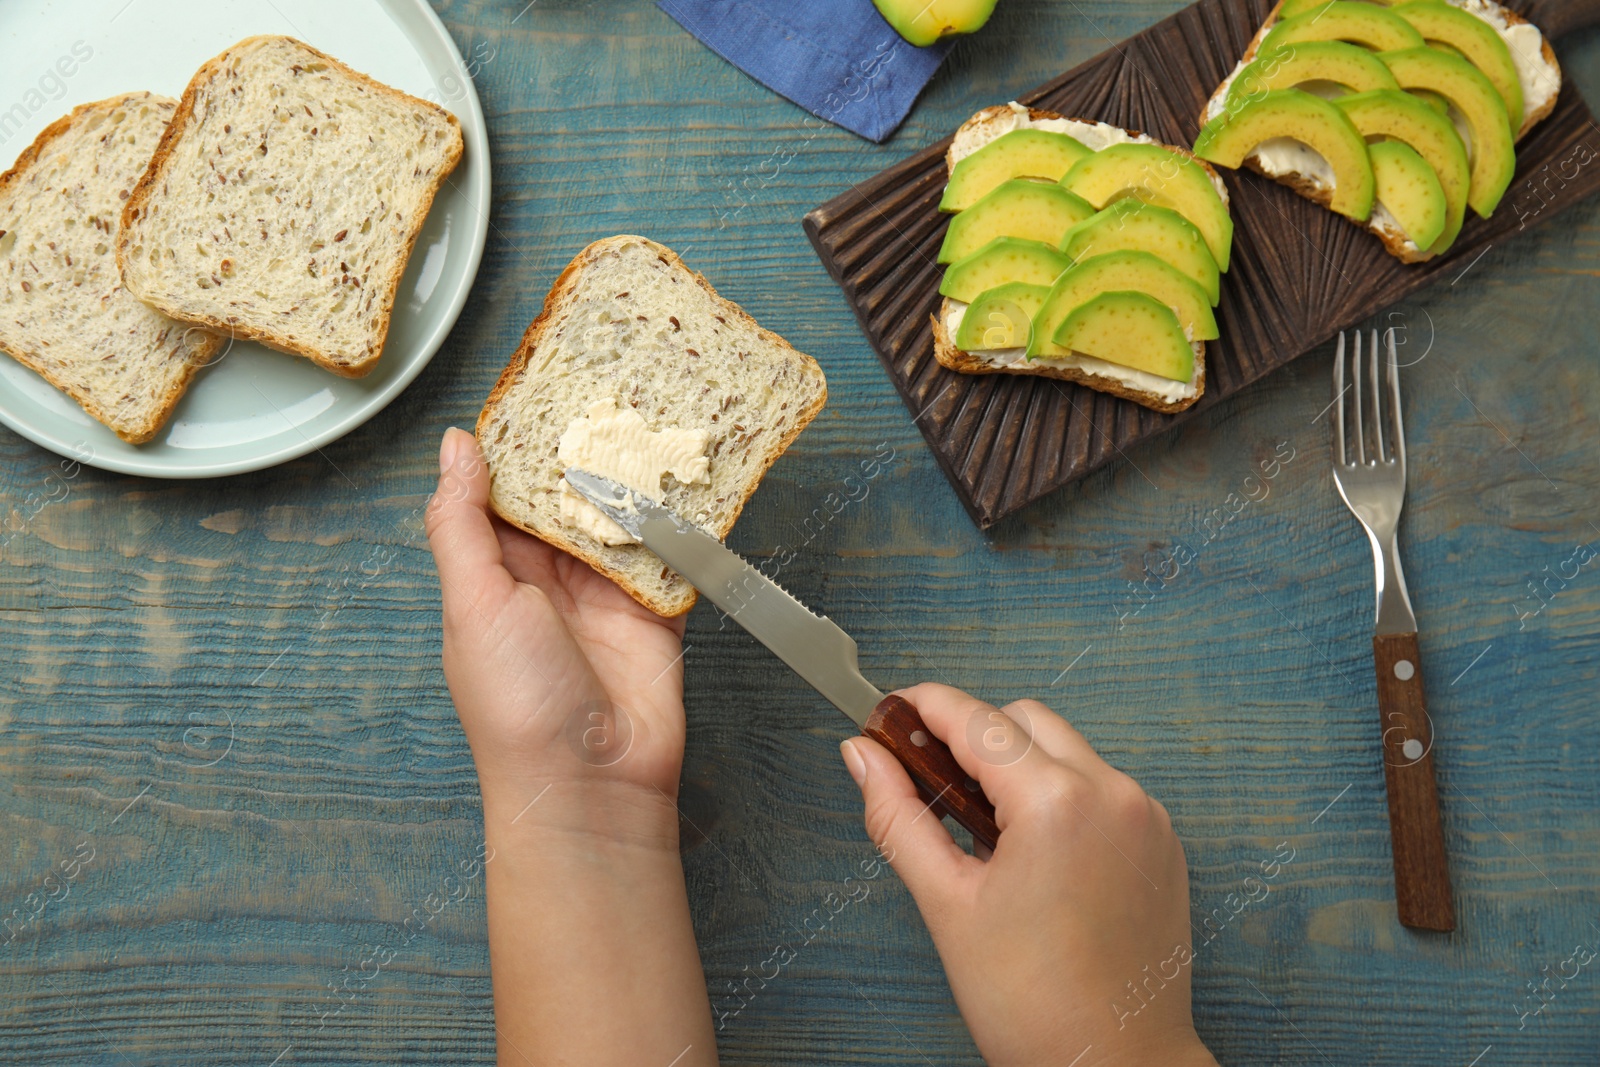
(897, 725)
(1421, 873)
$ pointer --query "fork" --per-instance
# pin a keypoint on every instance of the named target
(1373, 485)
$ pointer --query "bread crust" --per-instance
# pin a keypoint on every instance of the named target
(952, 358)
(265, 335)
(561, 295)
(204, 352)
(1394, 242)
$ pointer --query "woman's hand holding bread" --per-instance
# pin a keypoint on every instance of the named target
(571, 696)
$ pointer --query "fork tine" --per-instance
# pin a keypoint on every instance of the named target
(1361, 422)
(1380, 456)
(1397, 425)
(1339, 389)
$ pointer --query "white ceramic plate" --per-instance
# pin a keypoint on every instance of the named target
(253, 408)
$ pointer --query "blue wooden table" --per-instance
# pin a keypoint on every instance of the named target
(221, 705)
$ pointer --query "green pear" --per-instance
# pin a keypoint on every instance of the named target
(922, 22)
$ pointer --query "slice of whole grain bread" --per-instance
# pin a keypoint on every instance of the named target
(283, 201)
(63, 309)
(627, 321)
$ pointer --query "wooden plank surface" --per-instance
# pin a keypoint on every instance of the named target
(228, 692)
(1299, 273)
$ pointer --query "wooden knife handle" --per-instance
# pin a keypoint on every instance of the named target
(1556, 18)
(897, 725)
(1421, 873)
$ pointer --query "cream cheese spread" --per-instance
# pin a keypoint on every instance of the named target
(1541, 79)
(615, 442)
(1167, 389)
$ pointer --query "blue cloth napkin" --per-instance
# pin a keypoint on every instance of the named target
(837, 59)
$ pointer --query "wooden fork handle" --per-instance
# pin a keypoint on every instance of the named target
(897, 725)
(1421, 872)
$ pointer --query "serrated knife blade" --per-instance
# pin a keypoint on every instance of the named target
(817, 649)
(811, 644)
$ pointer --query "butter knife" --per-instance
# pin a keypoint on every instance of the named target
(817, 649)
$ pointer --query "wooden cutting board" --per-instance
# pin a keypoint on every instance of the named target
(1299, 273)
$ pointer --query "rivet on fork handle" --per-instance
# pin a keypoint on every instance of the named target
(1421, 871)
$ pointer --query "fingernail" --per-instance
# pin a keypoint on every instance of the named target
(448, 448)
(854, 763)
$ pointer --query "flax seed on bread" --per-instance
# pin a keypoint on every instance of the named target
(627, 321)
(63, 309)
(283, 202)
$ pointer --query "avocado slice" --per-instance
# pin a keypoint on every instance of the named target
(1001, 317)
(1432, 99)
(1160, 176)
(1132, 272)
(1026, 153)
(1308, 119)
(1410, 190)
(1039, 211)
(1374, 27)
(1131, 330)
(1401, 116)
(1002, 260)
(1290, 8)
(1355, 68)
(1476, 40)
(1493, 152)
(1134, 226)
(923, 22)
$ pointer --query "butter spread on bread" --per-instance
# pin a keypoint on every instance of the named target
(617, 443)
(628, 329)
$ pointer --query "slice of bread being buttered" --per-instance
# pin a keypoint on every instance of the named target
(63, 309)
(627, 328)
(283, 202)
